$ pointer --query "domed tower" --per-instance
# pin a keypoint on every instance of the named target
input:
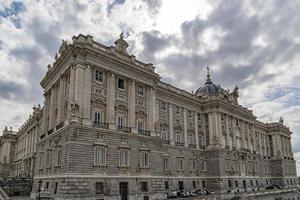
(209, 88)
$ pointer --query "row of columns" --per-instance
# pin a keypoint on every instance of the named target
(27, 142)
(80, 93)
(111, 93)
(185, 128)
(281, 146)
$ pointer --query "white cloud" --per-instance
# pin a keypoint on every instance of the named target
(257, 49)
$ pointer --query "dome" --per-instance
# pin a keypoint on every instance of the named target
(209, 87)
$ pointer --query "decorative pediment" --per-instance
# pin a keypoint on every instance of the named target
(141, 111)
(99, 101)
(121, 106)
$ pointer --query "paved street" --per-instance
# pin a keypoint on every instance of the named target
(20, 198)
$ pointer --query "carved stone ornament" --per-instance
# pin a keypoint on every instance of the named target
(74, 109)
(235, 91)
(121, 44)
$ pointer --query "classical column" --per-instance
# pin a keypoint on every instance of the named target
(86, 106)
(71, 97)
(275, 146)
(265, 144)
(131, 104)
(290, 149)
(203, 126)
(248, 136)
(111, 87)
(151, 109)
(233, 132)
(219, 129)
(172, 142)
(61, 99)
(228, 143)
(253, 139)
(196, 131)
(79, 88)
(243, 145)
(52, 108)
(185, 128)
(210, 129)
(45, 114)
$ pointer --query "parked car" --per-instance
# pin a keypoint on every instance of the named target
(201, 192)
(193, 193)
(271, 187)
(172, 194)
(210, 192)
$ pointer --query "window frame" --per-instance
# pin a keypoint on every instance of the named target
(101, 161)
(118, 84)
(141, 92)
(144, 159)
(102, 76)
(126, 158)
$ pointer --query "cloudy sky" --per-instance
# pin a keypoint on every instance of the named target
(252, 44)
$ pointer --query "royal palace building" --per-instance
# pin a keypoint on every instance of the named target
(111, 129)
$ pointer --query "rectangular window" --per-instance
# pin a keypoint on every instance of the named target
(99, 188)
(98, 117)
(190, 114)
(99, 76)
(166, 185)
(194, 184)
(144, 159)
(162, 105)
(55, 188)
(140, 90)
(177, 110)
(166, 164)
(124, 158)
(178, 138)
(191, 139)
(141, 125)
(180, 164)
(144, 186)
(48, 159)
(203, 166)
(194, 165)
(47, 186)
(59, 152)
(121, 83)
(41, 163)
(121, 121)
(229, 183)
(100, 156)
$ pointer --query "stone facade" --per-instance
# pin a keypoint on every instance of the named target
(110, 129)
(18, 149)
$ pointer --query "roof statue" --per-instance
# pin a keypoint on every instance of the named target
(281, 120)
(121, 44)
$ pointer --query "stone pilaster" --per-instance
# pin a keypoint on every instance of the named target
(61, 99)
(111, 90)
(210, 129)
(172, 142)
(131, 104)
(219, 129)
(243, 141)
(71, 97)
(228, 140)
(196, 131)
(151, 109)
(233, 132)
(79, 88)
(45, 114)
(203, 126)
(52, 109)
(86, 104)
(185, 128)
